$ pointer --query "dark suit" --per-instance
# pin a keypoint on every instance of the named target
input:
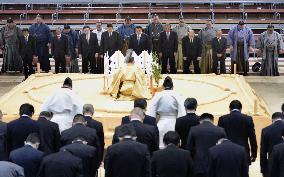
(233, 123)
(88, 156)
(3, 141)
(49, 135)
(144, 43)
(200, 139)
(147, 120)
(171, 162)
(227, 160)
(88, 51)
(60, 164)
(183, 126)
(168, 46)
(18, 130)
(110, 44)
(270, 136)
(98, 126)
(191, 50)
(67, 136)
(28, 158)
(219, 47)
(127, 158)
(146, 134)
(277, 161)
(27, 51)
(59, 48)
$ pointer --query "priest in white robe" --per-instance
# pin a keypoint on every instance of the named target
(166, 106)
(64, 103)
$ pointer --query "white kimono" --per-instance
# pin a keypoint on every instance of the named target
(64, 103)
(169, 105)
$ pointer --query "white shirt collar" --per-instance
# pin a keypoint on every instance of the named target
(192, 112)
(136, 119)
(235, 110)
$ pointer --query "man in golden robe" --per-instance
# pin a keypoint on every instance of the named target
(129, 82)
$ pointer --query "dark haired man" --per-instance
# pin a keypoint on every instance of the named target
(140, 41)
(236, 121)
(19, 129)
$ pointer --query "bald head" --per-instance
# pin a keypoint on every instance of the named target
(219, 33)
(191, 33)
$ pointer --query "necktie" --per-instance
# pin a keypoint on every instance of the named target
(219, 39)
(191, 40)
(168, 35)
(26, 37)
(110, 34)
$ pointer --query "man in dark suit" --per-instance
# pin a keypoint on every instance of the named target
(185, 123)
(62, 163)
(49, 133)
(110, 42)
(171, 161)
(88, 50)
(127, 158)
(146, 134)
(60, 50)
(88, 112)
(80, 128)
(200, 139)
(168, 46)
(86, 153)
(219, 46)
(27, 51)
(236, 121)
(141, 103)
(28, 156)
(277, 160)
(3, 136)
(270, 136)
(227, 159)
(191, 50)
(19, 129)
(139, 41)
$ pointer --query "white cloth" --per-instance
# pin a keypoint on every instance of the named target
(169, 105)
(65, 104)
(99, 35)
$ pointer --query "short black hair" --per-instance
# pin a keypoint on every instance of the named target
(277, 115)
(79, 118)
(10, 20)
(282, 108)
(206, 116)
(86, 27)
(138, 27)
(46, 114)
(109, 25)
(190, 104)
(68, 82)
(171, 137)
(33, 138)
(270, 26)
(241, 23)
(27, 109)
(25, 29)
(168, 83)
(67, 27)
(140, 103)
(236, 104)
(126, 130)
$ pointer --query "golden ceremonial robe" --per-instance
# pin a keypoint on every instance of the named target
(129, 83)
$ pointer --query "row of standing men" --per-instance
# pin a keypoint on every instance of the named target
(177, 48)
(234, 152)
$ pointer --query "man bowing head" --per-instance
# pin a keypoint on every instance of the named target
(64, 103)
